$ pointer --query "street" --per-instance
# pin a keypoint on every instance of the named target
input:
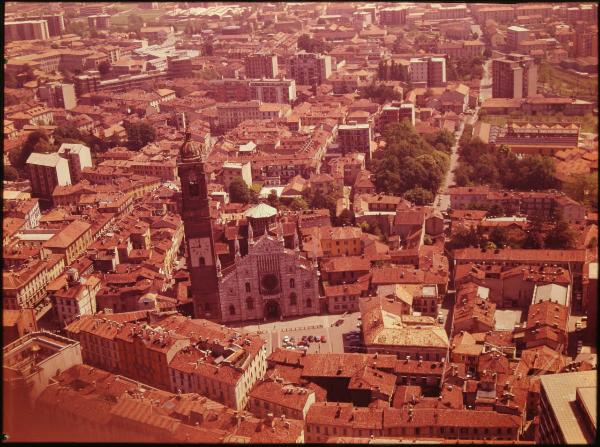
(442, 200)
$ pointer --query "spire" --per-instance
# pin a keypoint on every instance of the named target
(250, 234)
(218, 267)
(237, 248)
(280, 237)
(296, 241)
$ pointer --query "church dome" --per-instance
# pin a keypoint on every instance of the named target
(261, 211)
(190, 149)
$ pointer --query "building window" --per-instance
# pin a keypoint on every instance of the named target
(309, 303)
(194, 189)
(232, 310)
(292, 283)
(249, 303)
(248, 287)
(293, 299)
(201, 261)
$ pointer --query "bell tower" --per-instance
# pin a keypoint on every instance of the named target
(197, 223)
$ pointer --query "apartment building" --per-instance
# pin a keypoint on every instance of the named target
(47, 171)
(393, 15)
(58, 95)
(260, 65)
(310, 68)
(567, 408)
(71, 242)
(514, 76)
(354, 137)
(515, 35)
(26, 30)
(281, 91)
(100, 21)
(78, 156)
(428, 71)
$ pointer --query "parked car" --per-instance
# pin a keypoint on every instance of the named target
(305, 338)
(323, 339)
(339, 322)
(286, 339)
(311, 338)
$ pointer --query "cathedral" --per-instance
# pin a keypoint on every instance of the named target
(268, 281)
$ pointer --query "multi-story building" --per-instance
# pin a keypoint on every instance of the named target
(71, 242)
(29, 364)
(567, 408)
(514, 76)
(355, 138)
(84, 404)
(586, 42)
(101, 21)
(90, 10)
(58, 95)
(260, 65)
(232, 170)
(26, 30)
(428, 71)
(47, 171)
(326, 420)
(393, 15)
(310, 68)
(515, 35)
(341, 241)
(78, 156)
(76, 297)
(273, 90)
(231, 114)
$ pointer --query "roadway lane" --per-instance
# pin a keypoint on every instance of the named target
(442, 200)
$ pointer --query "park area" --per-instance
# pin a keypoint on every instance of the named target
(557, 81)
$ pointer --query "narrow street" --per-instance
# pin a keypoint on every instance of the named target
(442, 200)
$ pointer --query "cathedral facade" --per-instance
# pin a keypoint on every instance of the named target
(270, 282)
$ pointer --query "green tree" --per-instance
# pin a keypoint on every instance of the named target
(273, 199)
(139, 134)
(297, 204)
(498, 237)
(463, 238)
(584, 189)
(11, 173)
(495, 211)
(419, 196)
(37, 141)
(560, 236)
(134, 23)
(239, 191)
(346, 218)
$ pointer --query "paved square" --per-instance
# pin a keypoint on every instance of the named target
(274, 331)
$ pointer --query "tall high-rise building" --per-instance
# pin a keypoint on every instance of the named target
(515, 35)
(56, 24)
(100, 21)
(198, 226)
(58, 95)
(393, 15)
(514, 76)
(26, 30)
(310, 68)
(428, 71)
(260, 65)
(568, 408)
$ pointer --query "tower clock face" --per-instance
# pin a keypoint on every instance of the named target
(200, 252)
